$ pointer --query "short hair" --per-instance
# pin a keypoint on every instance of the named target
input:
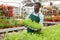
(39, 4)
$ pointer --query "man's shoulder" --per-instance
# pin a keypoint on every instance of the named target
(40, 13)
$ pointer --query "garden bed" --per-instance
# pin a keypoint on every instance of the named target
(9, 23)
(48, 33)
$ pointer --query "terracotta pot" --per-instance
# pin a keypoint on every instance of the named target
(14, 26)
(1, 28)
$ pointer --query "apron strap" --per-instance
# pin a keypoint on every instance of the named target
(38, 14)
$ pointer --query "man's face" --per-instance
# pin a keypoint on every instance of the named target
(36, 7)
(51, 3)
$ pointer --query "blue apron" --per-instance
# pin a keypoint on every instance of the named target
(33, 18)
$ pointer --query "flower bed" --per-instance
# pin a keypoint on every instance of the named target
(8, 23)
(52, 19)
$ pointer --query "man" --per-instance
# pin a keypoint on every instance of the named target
(51, 4)
(35, 15)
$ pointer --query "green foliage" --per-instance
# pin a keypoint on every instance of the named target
(28, 23)
(1, 14)
(16, 22)
(55, 7)
(48, 33)
(1, 25)
(5, 23)
(52, 33)
(58, 12)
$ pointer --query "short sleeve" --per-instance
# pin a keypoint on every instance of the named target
(41, 18)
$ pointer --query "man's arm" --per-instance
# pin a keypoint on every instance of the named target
(41, 19)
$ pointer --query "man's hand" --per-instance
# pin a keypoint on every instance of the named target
(38, 30)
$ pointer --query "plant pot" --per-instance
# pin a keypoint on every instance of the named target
(14, 26)
(1, 28)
